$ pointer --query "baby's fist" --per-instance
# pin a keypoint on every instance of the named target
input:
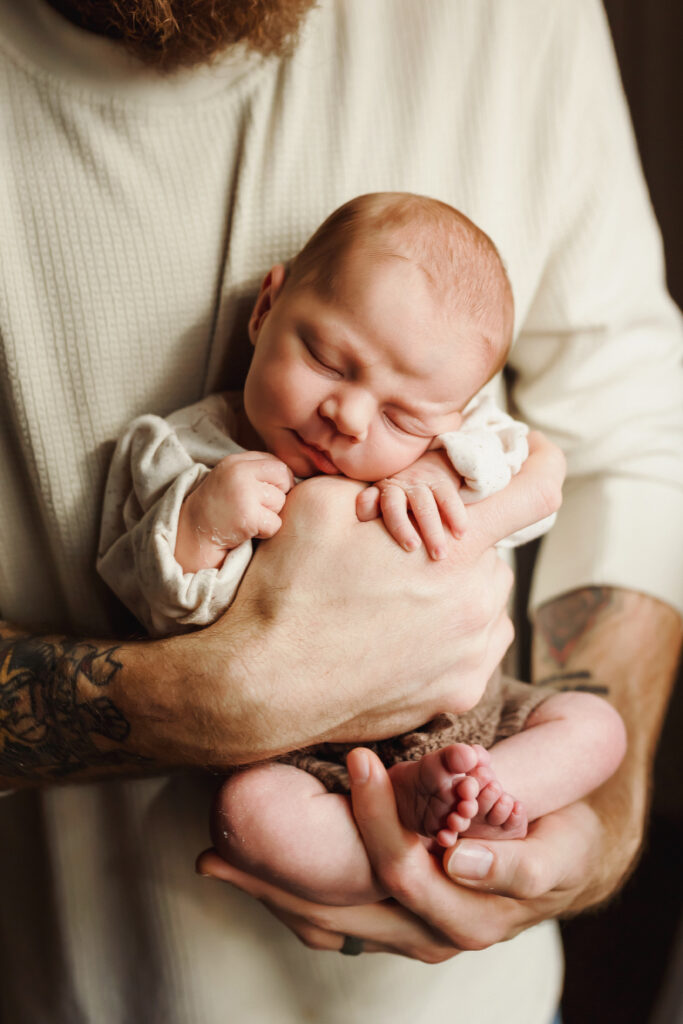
(238, 500)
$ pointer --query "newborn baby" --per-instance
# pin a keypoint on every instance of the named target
(369, 353)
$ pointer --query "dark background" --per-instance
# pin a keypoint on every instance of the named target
(625, 963)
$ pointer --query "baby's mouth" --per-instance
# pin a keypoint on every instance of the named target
(320, 458)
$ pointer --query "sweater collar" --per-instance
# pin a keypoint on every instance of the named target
(45, 41)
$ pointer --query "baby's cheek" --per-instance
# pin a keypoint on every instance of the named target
(401, 455)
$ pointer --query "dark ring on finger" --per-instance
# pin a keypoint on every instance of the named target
(352, 946)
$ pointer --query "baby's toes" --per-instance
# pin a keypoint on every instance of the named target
(460, 758)
(466, 809)
(488, 797)
(446, 837)
(482, 775)
(466, 788)
(501, 810)
(517, 823)
(457, 822)
(482, 753)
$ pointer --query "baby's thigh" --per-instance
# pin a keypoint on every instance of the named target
(261, 810)
(280, 823)
(265, 796)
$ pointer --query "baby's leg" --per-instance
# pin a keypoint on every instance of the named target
(281, 824)
(571, 744)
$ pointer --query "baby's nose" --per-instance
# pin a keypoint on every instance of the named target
(351, 413)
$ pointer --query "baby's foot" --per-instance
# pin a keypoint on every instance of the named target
(499, 815)
(455, 790)
(437, 795)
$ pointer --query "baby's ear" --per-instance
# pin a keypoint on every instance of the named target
(271, 286)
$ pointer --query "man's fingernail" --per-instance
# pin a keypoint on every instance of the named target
(470, 861)
(358, 766)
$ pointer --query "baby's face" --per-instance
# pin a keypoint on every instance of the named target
(359, 382)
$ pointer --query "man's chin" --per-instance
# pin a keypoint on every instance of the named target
(172, 34)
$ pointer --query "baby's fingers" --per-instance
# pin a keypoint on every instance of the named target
(273, 497)
(451, 508)
(272, 470)
(269, 524)
(367, 504)
(394, 506)
(424, 507)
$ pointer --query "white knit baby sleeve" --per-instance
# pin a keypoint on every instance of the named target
(157, 463)
(487, 451)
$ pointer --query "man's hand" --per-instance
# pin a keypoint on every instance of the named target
(429, 918)
(238, 500)
(429, 491)
(345, 637)
(570, 860)
(335, 634)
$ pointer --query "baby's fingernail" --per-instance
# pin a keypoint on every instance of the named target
(358, 766)
(438, 553)
(469, 861)
(410, 545)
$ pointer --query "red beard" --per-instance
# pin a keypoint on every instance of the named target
(170, 34)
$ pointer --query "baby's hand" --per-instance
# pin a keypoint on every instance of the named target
(429, 489)
(239, 499)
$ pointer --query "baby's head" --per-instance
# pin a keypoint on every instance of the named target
(391, 318)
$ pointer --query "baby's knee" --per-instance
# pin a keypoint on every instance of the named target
(238, 810)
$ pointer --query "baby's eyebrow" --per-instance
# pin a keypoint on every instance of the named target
(322, 339)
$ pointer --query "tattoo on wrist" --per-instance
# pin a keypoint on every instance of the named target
(56, 718)
(563, 623)
(572, 682)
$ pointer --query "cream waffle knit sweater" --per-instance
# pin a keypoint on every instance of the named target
(136, 217)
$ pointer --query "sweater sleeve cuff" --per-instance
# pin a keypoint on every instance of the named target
(174, 598)
(606, 535)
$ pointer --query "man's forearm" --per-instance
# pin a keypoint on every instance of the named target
(61, 718)
(79, 710)
(625, 646)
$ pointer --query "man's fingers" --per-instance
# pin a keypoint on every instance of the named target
(210, 864)
(383, 927)
(500, 636)
(534, 493)
(553, 857)
(374, 805)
